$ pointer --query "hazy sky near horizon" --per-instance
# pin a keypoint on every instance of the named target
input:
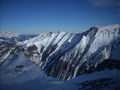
(52, 15)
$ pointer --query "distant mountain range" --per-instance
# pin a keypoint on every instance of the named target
(94, 54)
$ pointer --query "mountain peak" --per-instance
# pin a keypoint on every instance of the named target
(113, 26)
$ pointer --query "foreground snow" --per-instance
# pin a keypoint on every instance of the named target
(29, 77)
(78, 82)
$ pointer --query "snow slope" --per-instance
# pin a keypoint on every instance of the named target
(28, 77)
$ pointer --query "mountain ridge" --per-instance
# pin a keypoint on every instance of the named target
(72, 51)
(84, 59)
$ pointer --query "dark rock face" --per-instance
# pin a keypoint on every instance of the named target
(8, 50)
(106, 64)
(110, 64)
(18, 68)
(100, 84)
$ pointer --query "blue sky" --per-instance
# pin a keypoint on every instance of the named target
(32, 16)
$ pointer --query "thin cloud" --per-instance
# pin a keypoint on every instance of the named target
(105, 3)
(118, 9)
(114, 4)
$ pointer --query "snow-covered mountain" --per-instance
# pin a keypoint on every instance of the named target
(8, 34)
(10, 38)
(65, 55)
(76, 53)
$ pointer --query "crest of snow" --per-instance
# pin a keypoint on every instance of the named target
(104, 36)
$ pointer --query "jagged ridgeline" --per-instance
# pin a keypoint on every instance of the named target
(67, 55)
